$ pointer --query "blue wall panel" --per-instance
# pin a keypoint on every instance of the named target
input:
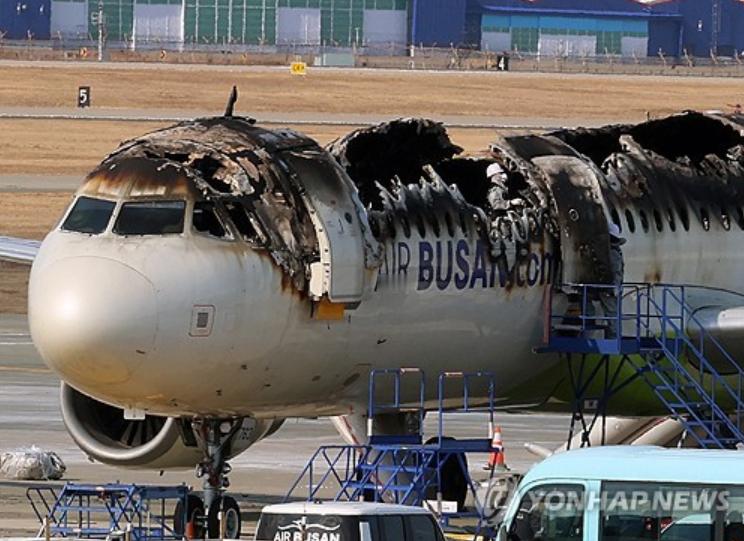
(19, 19)
(671, 25)
(664, 36)
(696, 32)
(439, 22)
(617, 6)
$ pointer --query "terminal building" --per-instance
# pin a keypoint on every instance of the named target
(531, 27)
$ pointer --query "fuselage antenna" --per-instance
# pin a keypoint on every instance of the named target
(231, 101)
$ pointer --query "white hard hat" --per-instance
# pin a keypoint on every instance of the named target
(615, 231)
(494, 169)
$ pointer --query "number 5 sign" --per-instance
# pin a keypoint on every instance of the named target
(83, 99)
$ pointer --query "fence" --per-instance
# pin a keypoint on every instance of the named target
(390, 55)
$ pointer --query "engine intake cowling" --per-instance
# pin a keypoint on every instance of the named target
(103, 433)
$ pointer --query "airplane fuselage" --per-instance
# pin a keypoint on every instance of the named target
(203, 322)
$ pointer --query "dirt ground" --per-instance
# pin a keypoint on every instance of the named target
(549, 96)
(74, 147)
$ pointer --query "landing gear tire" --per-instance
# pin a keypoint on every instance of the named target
(230, 517)
(191, 519)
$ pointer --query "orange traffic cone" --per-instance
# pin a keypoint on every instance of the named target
(190, 532)
(496, 460)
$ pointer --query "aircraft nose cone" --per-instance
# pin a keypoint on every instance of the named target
(92, 319)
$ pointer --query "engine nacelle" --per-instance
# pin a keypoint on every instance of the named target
(103, 433)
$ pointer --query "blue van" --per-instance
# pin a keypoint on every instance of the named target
(630, 493)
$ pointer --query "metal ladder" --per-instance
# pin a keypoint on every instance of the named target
(403, 469)
(656, 323)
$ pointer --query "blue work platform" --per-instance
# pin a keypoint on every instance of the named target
(406, 469)
(656, 331)
(132, 512)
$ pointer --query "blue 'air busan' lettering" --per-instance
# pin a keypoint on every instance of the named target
(458, 264)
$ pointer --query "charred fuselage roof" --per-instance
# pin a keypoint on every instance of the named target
(412, 178)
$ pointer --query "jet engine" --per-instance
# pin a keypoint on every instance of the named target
(103, 433)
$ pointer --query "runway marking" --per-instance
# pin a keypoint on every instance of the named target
(25, 370)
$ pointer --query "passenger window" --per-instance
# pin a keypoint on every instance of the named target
(205, 219)
(150, 218)
(630, 220)
(672, 223)
(705, 218)
(369, 529)
(420, 226)
(740, 217)
(392, 527)
(243, 223)
(644, 220)
(89, 215)
(666, 512)
(422, 528)
(725, 219)
(616, 218)
(685, 217)
(549, 512)
(658, 221)
(450, 225)
(406, 226)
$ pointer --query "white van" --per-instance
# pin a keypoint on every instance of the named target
(630, 493)
(346, 521)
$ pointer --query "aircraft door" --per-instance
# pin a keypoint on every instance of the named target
(585, 241)
(337, 216)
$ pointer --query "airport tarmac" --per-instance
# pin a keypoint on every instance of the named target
(29, 415)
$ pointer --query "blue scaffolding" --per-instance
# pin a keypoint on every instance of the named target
(405, 469)
(136, 512)
(656, 331)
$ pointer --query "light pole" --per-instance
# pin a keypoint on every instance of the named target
(100, 30)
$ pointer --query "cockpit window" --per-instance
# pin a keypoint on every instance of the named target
(150, 218)
(243, 222)
(205, 219)
(89, 215)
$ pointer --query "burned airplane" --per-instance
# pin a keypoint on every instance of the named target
(213, 278)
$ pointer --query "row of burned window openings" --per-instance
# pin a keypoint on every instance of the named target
(660, 222)
(395, 224)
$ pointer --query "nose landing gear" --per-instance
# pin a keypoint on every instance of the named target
(222, 519)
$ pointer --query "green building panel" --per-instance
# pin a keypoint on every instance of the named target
(342, 22)
(399, 5)
(525, 39)
(118, 16)
(250, 22)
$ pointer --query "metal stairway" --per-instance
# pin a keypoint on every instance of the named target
(405, 469)
(690, 372)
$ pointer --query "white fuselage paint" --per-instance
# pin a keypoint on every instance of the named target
(112, 316)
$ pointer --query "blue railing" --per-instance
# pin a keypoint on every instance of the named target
(403, 469)
(96, 511)
(657, 323)
(717, 392)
